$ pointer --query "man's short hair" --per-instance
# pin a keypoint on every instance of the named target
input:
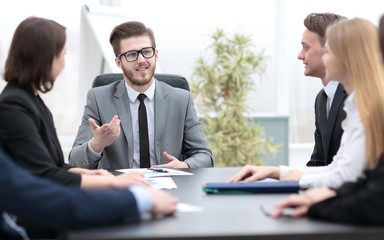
(318, 23)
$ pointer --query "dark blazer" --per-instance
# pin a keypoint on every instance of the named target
(29, 136)
(327, 141)
(361, 202)
(52, 206)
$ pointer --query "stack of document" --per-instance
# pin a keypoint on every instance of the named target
(159, 177)
(157, 172)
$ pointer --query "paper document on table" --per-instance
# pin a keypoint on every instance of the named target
(157, 172)
(162, 183)
(184, 207)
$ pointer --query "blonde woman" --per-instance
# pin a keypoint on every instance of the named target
(353, 57)
(347, 165)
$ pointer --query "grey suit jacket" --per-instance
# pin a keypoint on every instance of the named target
(177, 129)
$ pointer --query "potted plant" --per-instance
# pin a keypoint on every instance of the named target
(221, 80)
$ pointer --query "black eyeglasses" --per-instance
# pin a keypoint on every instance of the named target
(132, 55)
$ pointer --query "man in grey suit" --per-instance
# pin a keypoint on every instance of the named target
(109, 135)
(328, 116)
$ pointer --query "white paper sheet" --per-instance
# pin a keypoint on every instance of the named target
(150, 173)
(184, 207)
(162, 182)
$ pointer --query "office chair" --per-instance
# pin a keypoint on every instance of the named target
(171, 79)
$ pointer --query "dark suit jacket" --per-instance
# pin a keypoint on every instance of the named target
(361, 202)
(29, 135)
(327, 141)
(52, 206)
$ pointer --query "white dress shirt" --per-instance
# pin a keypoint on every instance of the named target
(350, 160)
(134, 106)
(9, 225)
(150, 107)
(330, 90)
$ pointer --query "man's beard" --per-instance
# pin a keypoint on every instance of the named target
(139, 80)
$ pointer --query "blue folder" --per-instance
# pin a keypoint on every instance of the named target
(252, 187)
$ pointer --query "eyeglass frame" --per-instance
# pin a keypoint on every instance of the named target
(138, 52)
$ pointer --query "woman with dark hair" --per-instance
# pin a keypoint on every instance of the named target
(27, 131)
(28, 135)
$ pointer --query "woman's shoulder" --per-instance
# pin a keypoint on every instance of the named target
(14, 91)
(15, 97)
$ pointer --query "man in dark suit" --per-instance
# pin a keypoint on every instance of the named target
(50, 207)
(329, 112)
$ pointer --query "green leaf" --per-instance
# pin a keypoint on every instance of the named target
(222, 78)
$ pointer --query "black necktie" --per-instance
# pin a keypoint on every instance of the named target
(323, 109)
(143, 133)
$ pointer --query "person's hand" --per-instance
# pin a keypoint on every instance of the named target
(101, 172)
(301, 203)
(84, 171)
(292, 175)
(251, 173)
(130, 178)
(298, 203)
(172, 162)
(319, 194)
(163, 202)
(104, 135)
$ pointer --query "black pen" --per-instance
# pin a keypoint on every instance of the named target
(158, 170)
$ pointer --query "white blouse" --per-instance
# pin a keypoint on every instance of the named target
(350, 160)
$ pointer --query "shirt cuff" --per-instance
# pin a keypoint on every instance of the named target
(93, 156)
(308, 181)
(143, 198)
(283, 170)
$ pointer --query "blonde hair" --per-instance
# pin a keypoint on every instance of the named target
(355, 44)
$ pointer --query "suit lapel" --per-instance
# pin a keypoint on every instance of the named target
(49, 134)
(123, 110)
(337, 103)
(161, 113)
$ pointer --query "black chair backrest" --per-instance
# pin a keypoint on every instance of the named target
(171, 79)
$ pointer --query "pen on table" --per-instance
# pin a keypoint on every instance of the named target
(158, 170)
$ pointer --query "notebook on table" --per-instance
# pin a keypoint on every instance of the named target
(252, 187)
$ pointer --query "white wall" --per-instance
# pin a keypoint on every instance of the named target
(181, 29)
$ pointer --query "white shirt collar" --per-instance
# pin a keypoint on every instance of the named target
(330, 89)
(132, 93)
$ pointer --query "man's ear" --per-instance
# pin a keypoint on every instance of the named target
(156, 54)
(118, 62)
